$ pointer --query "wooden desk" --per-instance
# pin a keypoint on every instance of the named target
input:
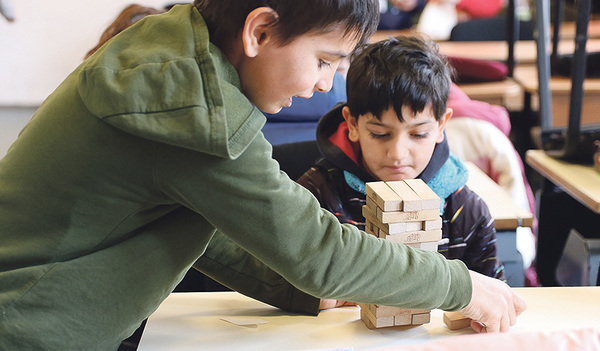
(567, 30)
(507, 214)
(582, 182)
(507, 93)
(525, 50)
(576, 207)
(192, 321)
(560, 87)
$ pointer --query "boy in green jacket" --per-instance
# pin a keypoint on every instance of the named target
(148, 159)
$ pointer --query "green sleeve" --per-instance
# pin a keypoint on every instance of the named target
(282, 225)
(233, 267)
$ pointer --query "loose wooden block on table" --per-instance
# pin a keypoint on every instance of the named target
(455, 320)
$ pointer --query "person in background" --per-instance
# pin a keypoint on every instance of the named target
(7, 10)
(148, 159)
(392, 128)
(399, 14)
(126, 18)
(471, 9)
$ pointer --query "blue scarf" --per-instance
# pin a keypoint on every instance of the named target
(452, 176)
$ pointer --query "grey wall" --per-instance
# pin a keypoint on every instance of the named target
(12, 120)
(47, 40)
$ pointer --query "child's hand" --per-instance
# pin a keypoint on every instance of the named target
(327, 304)
(494, 307)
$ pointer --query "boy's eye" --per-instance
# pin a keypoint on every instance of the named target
(379, 136)
(324, 64)
(421, 135)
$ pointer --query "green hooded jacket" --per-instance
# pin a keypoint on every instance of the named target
(147, 160)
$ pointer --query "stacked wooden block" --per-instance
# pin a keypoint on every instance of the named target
(406, 212)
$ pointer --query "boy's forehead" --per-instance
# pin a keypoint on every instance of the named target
(335, 41)
(407, 114)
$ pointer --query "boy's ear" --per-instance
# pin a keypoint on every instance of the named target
(442, 126)
(258, 29)
(352, 124)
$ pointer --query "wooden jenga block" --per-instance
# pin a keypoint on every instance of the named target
(411, 201)
(371, 229)
(427, 246)
(430, 200)
(413, 237)
(387, 311)
(421, 318)
(400, 227)
(432, 224)
(391, 217)
(390, 228)
(414, 226)
(373, 322)
(384, 196)
(455, 320)
(403, 319)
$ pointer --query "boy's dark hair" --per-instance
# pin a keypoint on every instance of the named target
(397, 72)
(226, 18)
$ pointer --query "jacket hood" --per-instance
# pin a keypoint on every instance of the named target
(337, 149)
(163, 80)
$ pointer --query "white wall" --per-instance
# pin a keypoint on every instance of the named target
(47, 41)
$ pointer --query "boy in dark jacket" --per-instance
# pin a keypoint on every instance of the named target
(392, 128)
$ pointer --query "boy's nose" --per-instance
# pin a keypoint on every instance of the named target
(325, 83)
(398, 150)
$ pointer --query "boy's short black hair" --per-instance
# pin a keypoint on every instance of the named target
(226, 18)
(397, 72)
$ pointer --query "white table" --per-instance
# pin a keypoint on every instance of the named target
(191, 321)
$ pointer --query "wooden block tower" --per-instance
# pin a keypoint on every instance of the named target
(406, 212)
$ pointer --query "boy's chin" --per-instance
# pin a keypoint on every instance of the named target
(270, 109)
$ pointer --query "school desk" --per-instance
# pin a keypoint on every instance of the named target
(560, 88)
(193, 321)
(508, 217)
(579, 182)
(567, 30)
(582, 182)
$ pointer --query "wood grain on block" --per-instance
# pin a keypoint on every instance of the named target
(403, 319)
(427, 246)
(430, 200)
(455, 320)
(386, 311)
(390, 228)
(432, 224)
(411, 201)
(384, 196)
(414, 237)
(421, 318)
(374, 322)
(392, 217)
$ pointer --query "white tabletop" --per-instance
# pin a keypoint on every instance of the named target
(192, 321)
